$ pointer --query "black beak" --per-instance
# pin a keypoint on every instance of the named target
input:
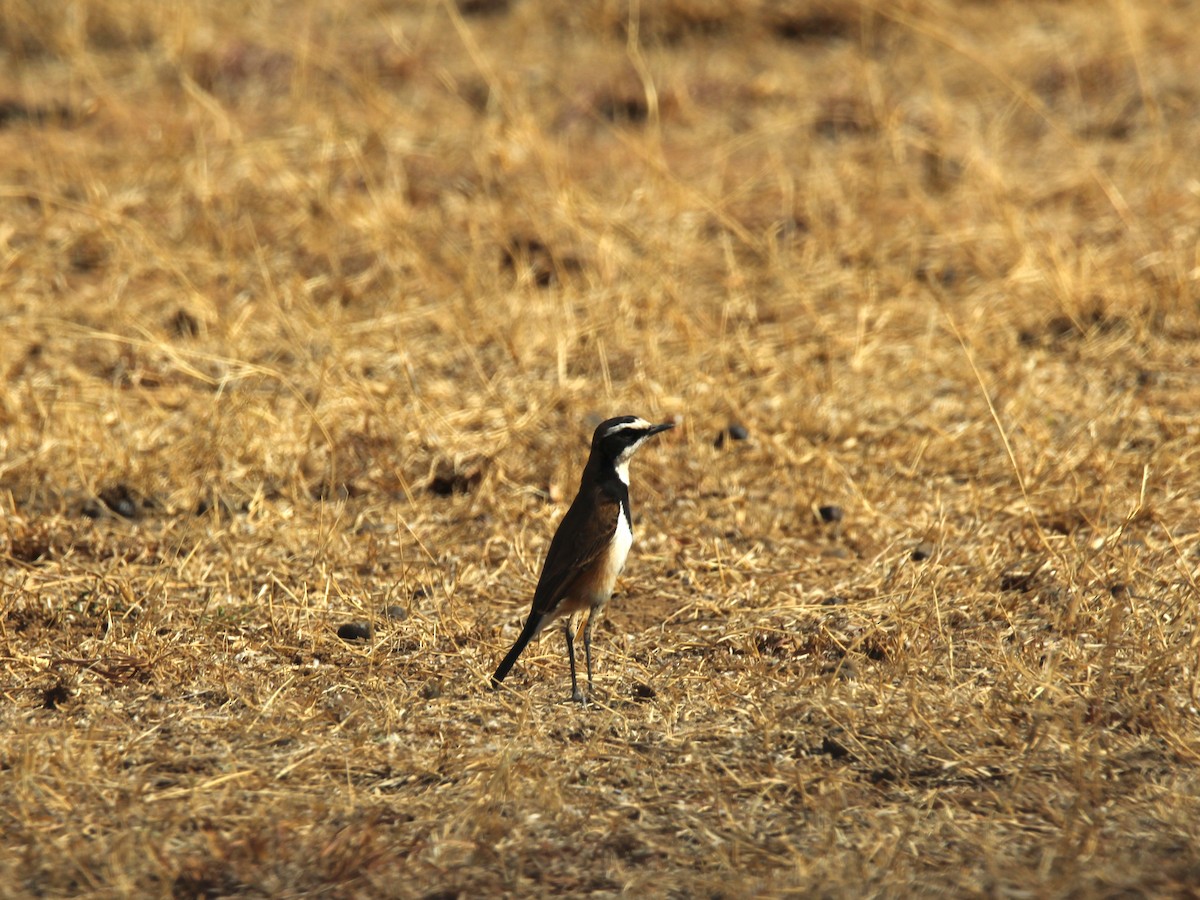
(665, 426)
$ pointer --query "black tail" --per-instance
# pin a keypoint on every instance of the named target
(527, 633)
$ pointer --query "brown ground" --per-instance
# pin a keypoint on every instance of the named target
(308, 309)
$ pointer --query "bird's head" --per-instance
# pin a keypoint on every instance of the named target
(616, 440)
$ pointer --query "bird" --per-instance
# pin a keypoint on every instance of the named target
(589, 549)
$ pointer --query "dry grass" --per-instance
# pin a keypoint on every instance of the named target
(306, 311)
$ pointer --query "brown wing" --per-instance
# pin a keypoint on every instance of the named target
(583, 535)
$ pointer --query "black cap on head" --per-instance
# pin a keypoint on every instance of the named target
(615, 436)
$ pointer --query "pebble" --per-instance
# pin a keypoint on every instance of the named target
(734, 432)
(830, 513)
(354, 631)
(643, 691)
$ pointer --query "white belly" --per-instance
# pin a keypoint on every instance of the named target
(622, 541)
(597, 589)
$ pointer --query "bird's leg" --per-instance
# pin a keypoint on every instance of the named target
(587, 643)
(576, 695)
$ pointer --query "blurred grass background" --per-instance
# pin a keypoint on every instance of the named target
(307, 311)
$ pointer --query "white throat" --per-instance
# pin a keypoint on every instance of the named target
(622, 467)
(621, 463)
